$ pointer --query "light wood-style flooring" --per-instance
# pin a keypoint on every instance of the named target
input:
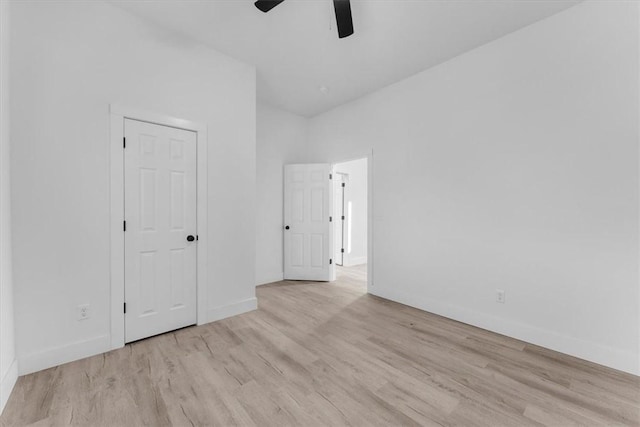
(327, 354)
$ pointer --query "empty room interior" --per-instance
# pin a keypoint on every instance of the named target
(319, 212)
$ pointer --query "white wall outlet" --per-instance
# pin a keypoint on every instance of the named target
(83, 312)
(500, 296)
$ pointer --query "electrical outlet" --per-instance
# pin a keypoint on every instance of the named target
(500, 296)
(83, 312)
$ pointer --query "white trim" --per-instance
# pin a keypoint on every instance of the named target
(159, 119)
(233, 309)
(64, 354)
(587, 350)
(7, 382)
(118, 114)
(368, 154)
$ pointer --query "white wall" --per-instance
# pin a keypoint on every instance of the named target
(513, 166)
(355, 238)
(281, 140)
(8, 365)
(70, 60)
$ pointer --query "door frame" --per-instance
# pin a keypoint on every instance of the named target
(118, 114)
(357, 155)
(342, 212)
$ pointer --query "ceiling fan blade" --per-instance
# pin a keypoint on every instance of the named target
(267, 5)
(343, 17)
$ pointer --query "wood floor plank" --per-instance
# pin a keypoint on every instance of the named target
(327, 354)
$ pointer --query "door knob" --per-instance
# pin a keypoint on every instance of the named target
(190, 238)
(286, 228)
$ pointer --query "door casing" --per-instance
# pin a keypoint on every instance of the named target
(117, 116)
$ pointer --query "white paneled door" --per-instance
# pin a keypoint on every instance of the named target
(160, 229)
(307, 223)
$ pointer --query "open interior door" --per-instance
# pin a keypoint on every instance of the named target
(308, 224)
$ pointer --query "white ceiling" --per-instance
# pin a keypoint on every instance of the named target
(296, 49)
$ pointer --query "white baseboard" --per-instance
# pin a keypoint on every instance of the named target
(277, 277)
(64, 354)
(7, 382)
(233, 309)
(587, 350)
(102, 344)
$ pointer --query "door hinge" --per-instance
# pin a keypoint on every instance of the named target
(330, 219)
(124, 225)
(343, 184)
(125, 308)
(343, 217)
(342, 250)
(124, 142)
(330, 261)
(197, 237)
(330, 176)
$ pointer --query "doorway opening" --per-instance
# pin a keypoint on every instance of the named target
(159, 165)
(351, 213)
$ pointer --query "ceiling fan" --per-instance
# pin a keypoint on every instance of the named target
(342, 8)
